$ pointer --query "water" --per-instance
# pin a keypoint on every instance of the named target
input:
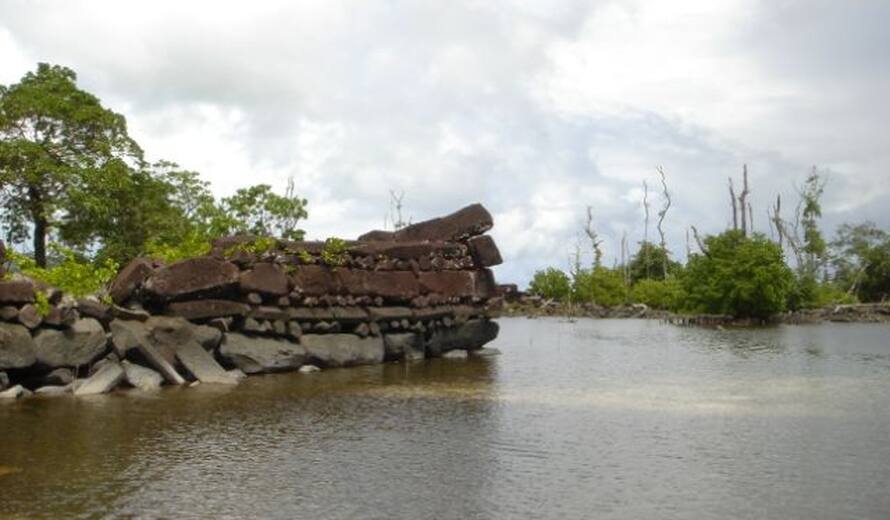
(593, 419)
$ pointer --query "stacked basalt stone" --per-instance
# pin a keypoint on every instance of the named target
(418, 292)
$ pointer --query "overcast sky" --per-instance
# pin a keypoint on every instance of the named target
(534, 108)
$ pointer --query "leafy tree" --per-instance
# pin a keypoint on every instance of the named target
(814, 245)
(660, 294)
(57, 144)
(258, 210)
(72, 274)
(551, 283)
(743, 276)
(599, 285)
(861, 260)
(649, 262)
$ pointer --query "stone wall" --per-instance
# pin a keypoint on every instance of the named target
(256, 305)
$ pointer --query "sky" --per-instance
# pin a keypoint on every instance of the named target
(536, 109)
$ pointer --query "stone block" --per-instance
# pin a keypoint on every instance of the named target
(206, 309)
(256, 355)
(265, 278)
(17, 348)
(76, 346)
(202, 276)
(460, 225)
(313, 280)
(459, 284)
(103, 381)
(484, 251)
(16, 291)
(338, 350)
(129, 279)
(393, 285)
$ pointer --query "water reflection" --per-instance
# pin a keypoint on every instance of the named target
(606, 419)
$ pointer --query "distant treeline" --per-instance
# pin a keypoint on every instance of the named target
(737, 272)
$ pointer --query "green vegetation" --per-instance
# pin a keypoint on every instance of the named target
(41, 302)
(73, 275)
(551, 283)
(257, 246)
(334, 252)
(71, 174)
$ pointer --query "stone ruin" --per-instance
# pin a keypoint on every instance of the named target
(258, 305)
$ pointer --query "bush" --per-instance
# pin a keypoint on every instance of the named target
(808, 293)
(599, 285)
(192, 244)
(659, 294)
(550, 283)
(742, 276)
(71, 274)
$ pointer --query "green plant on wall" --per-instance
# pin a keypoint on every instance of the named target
(41, 302)
(334, 252)
(258, 246)
(72, 275)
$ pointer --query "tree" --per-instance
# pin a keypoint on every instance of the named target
(649, 261)
(56, 140)
(600, 285)
(861, 260)
(814, 245)
(258, 210)
(743, 276)
(550, 283)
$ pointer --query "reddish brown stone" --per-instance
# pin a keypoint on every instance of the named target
(486, 287)
(376, 236)
(460, 225)
(268, 313)
(196, 276)
(353, 281)
(264, 278)
(129, 279)
(400, 285)
(484, 251)
(407, 250)
(447, 283)
(313, 280)
(16, 291)
(350, 314)
(203, 309)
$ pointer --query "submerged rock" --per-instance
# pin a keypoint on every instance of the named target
(339, 350)
(471, 335)
(256, 355)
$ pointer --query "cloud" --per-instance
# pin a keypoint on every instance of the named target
(536, 109)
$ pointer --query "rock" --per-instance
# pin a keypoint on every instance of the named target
(202, 365)
(221, 324)
(283, 301)
(313, 280)
(485, 352)
(103, 381)
(486, 287)
(484, 251)
(376, 236)
(336, 350)
(362, 330)
(268, 313)
(255, 355)
(202, 276)
(4, 381)
(253, 326)
(156, 340)
(76, 346)
(305, 314)
(16, 291)
(390, 313)
(397, 285)
(17, 349)
(140, 377)
(129, 279)
(125, 313)
(155, 359)
(29, 317)
(58, 377)
(406, 345)
(61, 316)
(350, 314)
(460, 225)
(237, 373)
(471, 335)
(264, 278)
(294, 330)
(14, 392)
(203, 309)
(94, 309)
(8, 313)
(448, 283)
(309, 369)
(279, 327)
(455, 354)
(254, 298)
(52, 390)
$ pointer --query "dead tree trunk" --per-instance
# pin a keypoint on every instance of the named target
(743, 200)
(646, 227)
(661, 215)
(595, 242)
(735, 211)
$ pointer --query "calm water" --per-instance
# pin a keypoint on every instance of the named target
(593, 419)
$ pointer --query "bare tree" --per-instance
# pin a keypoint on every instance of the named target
(625, 259)
(698, 240)
(595, 241)
(646, 226)
(661, 215)
(743, 200)
(735, 211)
(395, 208)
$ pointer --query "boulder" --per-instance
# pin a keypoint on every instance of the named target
(484, 251)
(14, 392)
(376, 236)
(469, 336)
(76, 346)
(16, 291)
(309, 369)
(256, 355)
(29, 316)
(405, 345)
(51, 390)
(103, 381)
(448, 283)
(338, 350)
(129, 313)
(91, 308)
(202, 276)
(455, 354)
(8, 313)
(205, 309)
(202, 365)
(61, 316)
(140, 377)
(265, 278)
(129, 279)
(313, 280)
(58, 377)
(17, 349)
(460, 225)
(486, 287)
(4, 381)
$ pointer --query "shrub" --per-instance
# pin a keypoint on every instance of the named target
(599, 285)
(550, 283)
(334, 252)
(71, 274)
(659, 294)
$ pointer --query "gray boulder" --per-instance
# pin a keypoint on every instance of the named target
(138, 376)
(256, 355)
(15, 392)
(455, 354)
(406, 345)
(78, 345)
(53, 390)
(103, 381)
(4, 381)
(339, 350)
(16, 347)
(202, 365)
(58, 377)
(309, 369)
(469, 336)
